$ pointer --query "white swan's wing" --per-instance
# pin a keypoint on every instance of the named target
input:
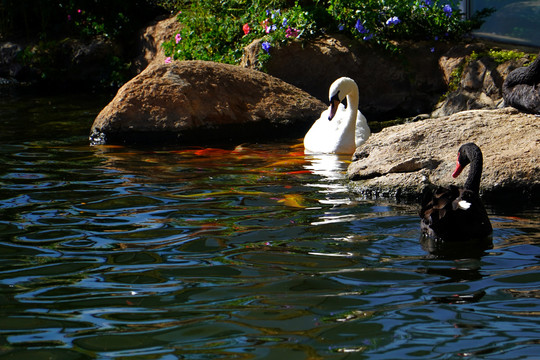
(328, 136)
(362, 131)
(313, 141)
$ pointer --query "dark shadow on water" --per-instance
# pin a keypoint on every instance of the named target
(451, 250)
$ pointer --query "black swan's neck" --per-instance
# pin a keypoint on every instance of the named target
(475, 172)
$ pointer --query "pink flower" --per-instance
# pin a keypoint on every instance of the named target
(178, 37)
(79, 11)
(246, 29)
(168, 60)
(290, 32)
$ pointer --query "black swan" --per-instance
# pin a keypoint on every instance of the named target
(457, 214)
(521, 88)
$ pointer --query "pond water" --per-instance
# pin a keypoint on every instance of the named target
(254, 252)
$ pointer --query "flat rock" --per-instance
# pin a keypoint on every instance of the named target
(402, 160)
(200, 102)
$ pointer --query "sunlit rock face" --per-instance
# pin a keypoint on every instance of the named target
(402, 160)
(150, 40)
(389, 86)
(479, 80)
(198, 102)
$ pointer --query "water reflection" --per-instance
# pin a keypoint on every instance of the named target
(256, 251)
(476, 248)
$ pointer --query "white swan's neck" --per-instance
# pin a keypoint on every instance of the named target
(339, 130)
(352, 109)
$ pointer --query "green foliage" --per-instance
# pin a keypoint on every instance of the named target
(502, 56)
(213, 29)
(499, 56)
(383, 22)
(46, 25)
(48, 19)
(218, 30)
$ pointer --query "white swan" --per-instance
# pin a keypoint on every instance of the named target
(340, 129)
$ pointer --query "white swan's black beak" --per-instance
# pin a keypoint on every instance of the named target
(334, 103)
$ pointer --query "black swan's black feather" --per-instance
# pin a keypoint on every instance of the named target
(521, 88)
(457, 214)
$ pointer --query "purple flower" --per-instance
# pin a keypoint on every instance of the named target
(394, 20)
(428, 2)
(284, 22)
(432, 49)
(341, 27)
(266, 47)
(368, 37)
(269, 29)
(361, 29)
(447, 10)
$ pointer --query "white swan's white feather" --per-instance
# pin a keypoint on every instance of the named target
(346, 131)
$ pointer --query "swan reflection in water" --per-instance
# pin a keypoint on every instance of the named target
(331, 169)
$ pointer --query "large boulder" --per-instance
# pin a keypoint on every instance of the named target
(390, 86)
(401, 161)
(151, 39)
(9, 68)
(199, 102)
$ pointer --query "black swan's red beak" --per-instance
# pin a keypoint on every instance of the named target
(458, 169)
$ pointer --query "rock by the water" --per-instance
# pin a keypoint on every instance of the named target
(480, 79)
(200, 102)
(401, 161)
(389, 86)
(9, 68)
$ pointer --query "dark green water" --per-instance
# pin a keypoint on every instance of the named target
(258, 253)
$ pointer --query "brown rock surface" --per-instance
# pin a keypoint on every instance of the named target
(390, 86)
(403, 160)
(201, 102)
(150, 40)
(480, 80)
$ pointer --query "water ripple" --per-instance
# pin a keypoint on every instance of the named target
(253, 252)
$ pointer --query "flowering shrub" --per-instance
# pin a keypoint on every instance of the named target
(212, 31)
(218, 30)
(382, 21)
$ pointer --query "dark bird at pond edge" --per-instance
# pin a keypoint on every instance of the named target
(457, 214)
(521, 88)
